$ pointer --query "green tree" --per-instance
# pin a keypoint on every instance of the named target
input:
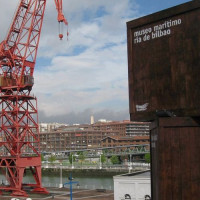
(105, 151)
(114, 160)
(70, 158)
(42, 157)
(103, 158)
(147, 157)
(81, 157)
(52, 158)
(85, 153)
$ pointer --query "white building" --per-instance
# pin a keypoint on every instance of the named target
(92, 119)
(134, 186)
(48, 127)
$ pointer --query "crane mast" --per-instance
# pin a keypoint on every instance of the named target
(19, 132)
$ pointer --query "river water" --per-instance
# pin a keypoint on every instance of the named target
(84, 183)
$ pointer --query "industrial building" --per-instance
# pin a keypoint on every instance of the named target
(112, 141)
(77, 137)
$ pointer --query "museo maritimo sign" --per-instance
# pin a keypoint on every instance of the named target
(164, 63)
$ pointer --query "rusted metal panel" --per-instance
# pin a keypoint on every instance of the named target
(175, 161)
(164, 63)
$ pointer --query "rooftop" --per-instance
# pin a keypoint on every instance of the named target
(141, 174)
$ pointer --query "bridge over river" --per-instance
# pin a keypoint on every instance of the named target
(132, 151)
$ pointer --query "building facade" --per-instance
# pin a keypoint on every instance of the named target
(113, 141)
(124, 128)
(85, 136)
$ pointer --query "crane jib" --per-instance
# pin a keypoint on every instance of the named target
(21, 44)
(19, 135)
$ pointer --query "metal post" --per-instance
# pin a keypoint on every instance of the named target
(61, 184)
(72, 161)
(71, 183)
(130, 164)
(70, 189)
(100, 167)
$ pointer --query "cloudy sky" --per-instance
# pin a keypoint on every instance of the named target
(86, 74)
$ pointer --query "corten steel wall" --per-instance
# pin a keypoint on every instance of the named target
(164, 62)
(175, 150)
(164, 68)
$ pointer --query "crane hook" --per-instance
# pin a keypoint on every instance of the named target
(61, 36)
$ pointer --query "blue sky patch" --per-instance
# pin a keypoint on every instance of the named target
(89, 15)
(42, 62)
(101, 12)
(79, 49)
(147, 7)
(108, 45)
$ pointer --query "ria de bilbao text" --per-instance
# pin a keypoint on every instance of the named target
(155, 31)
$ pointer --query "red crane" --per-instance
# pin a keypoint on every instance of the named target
(19, 132)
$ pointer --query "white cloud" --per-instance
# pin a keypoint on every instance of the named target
(7, 11)
(86, 80)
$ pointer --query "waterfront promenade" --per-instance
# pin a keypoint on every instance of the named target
(86, 190)
(64, 194)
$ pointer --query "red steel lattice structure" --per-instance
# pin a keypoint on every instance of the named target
(19, 133)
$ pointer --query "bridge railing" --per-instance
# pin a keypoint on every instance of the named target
(128, 165)
(126, 149)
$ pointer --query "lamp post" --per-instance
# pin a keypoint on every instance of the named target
(130, 164)
(71, 182)
(61, 184)
(100, 166)
(72, 161)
